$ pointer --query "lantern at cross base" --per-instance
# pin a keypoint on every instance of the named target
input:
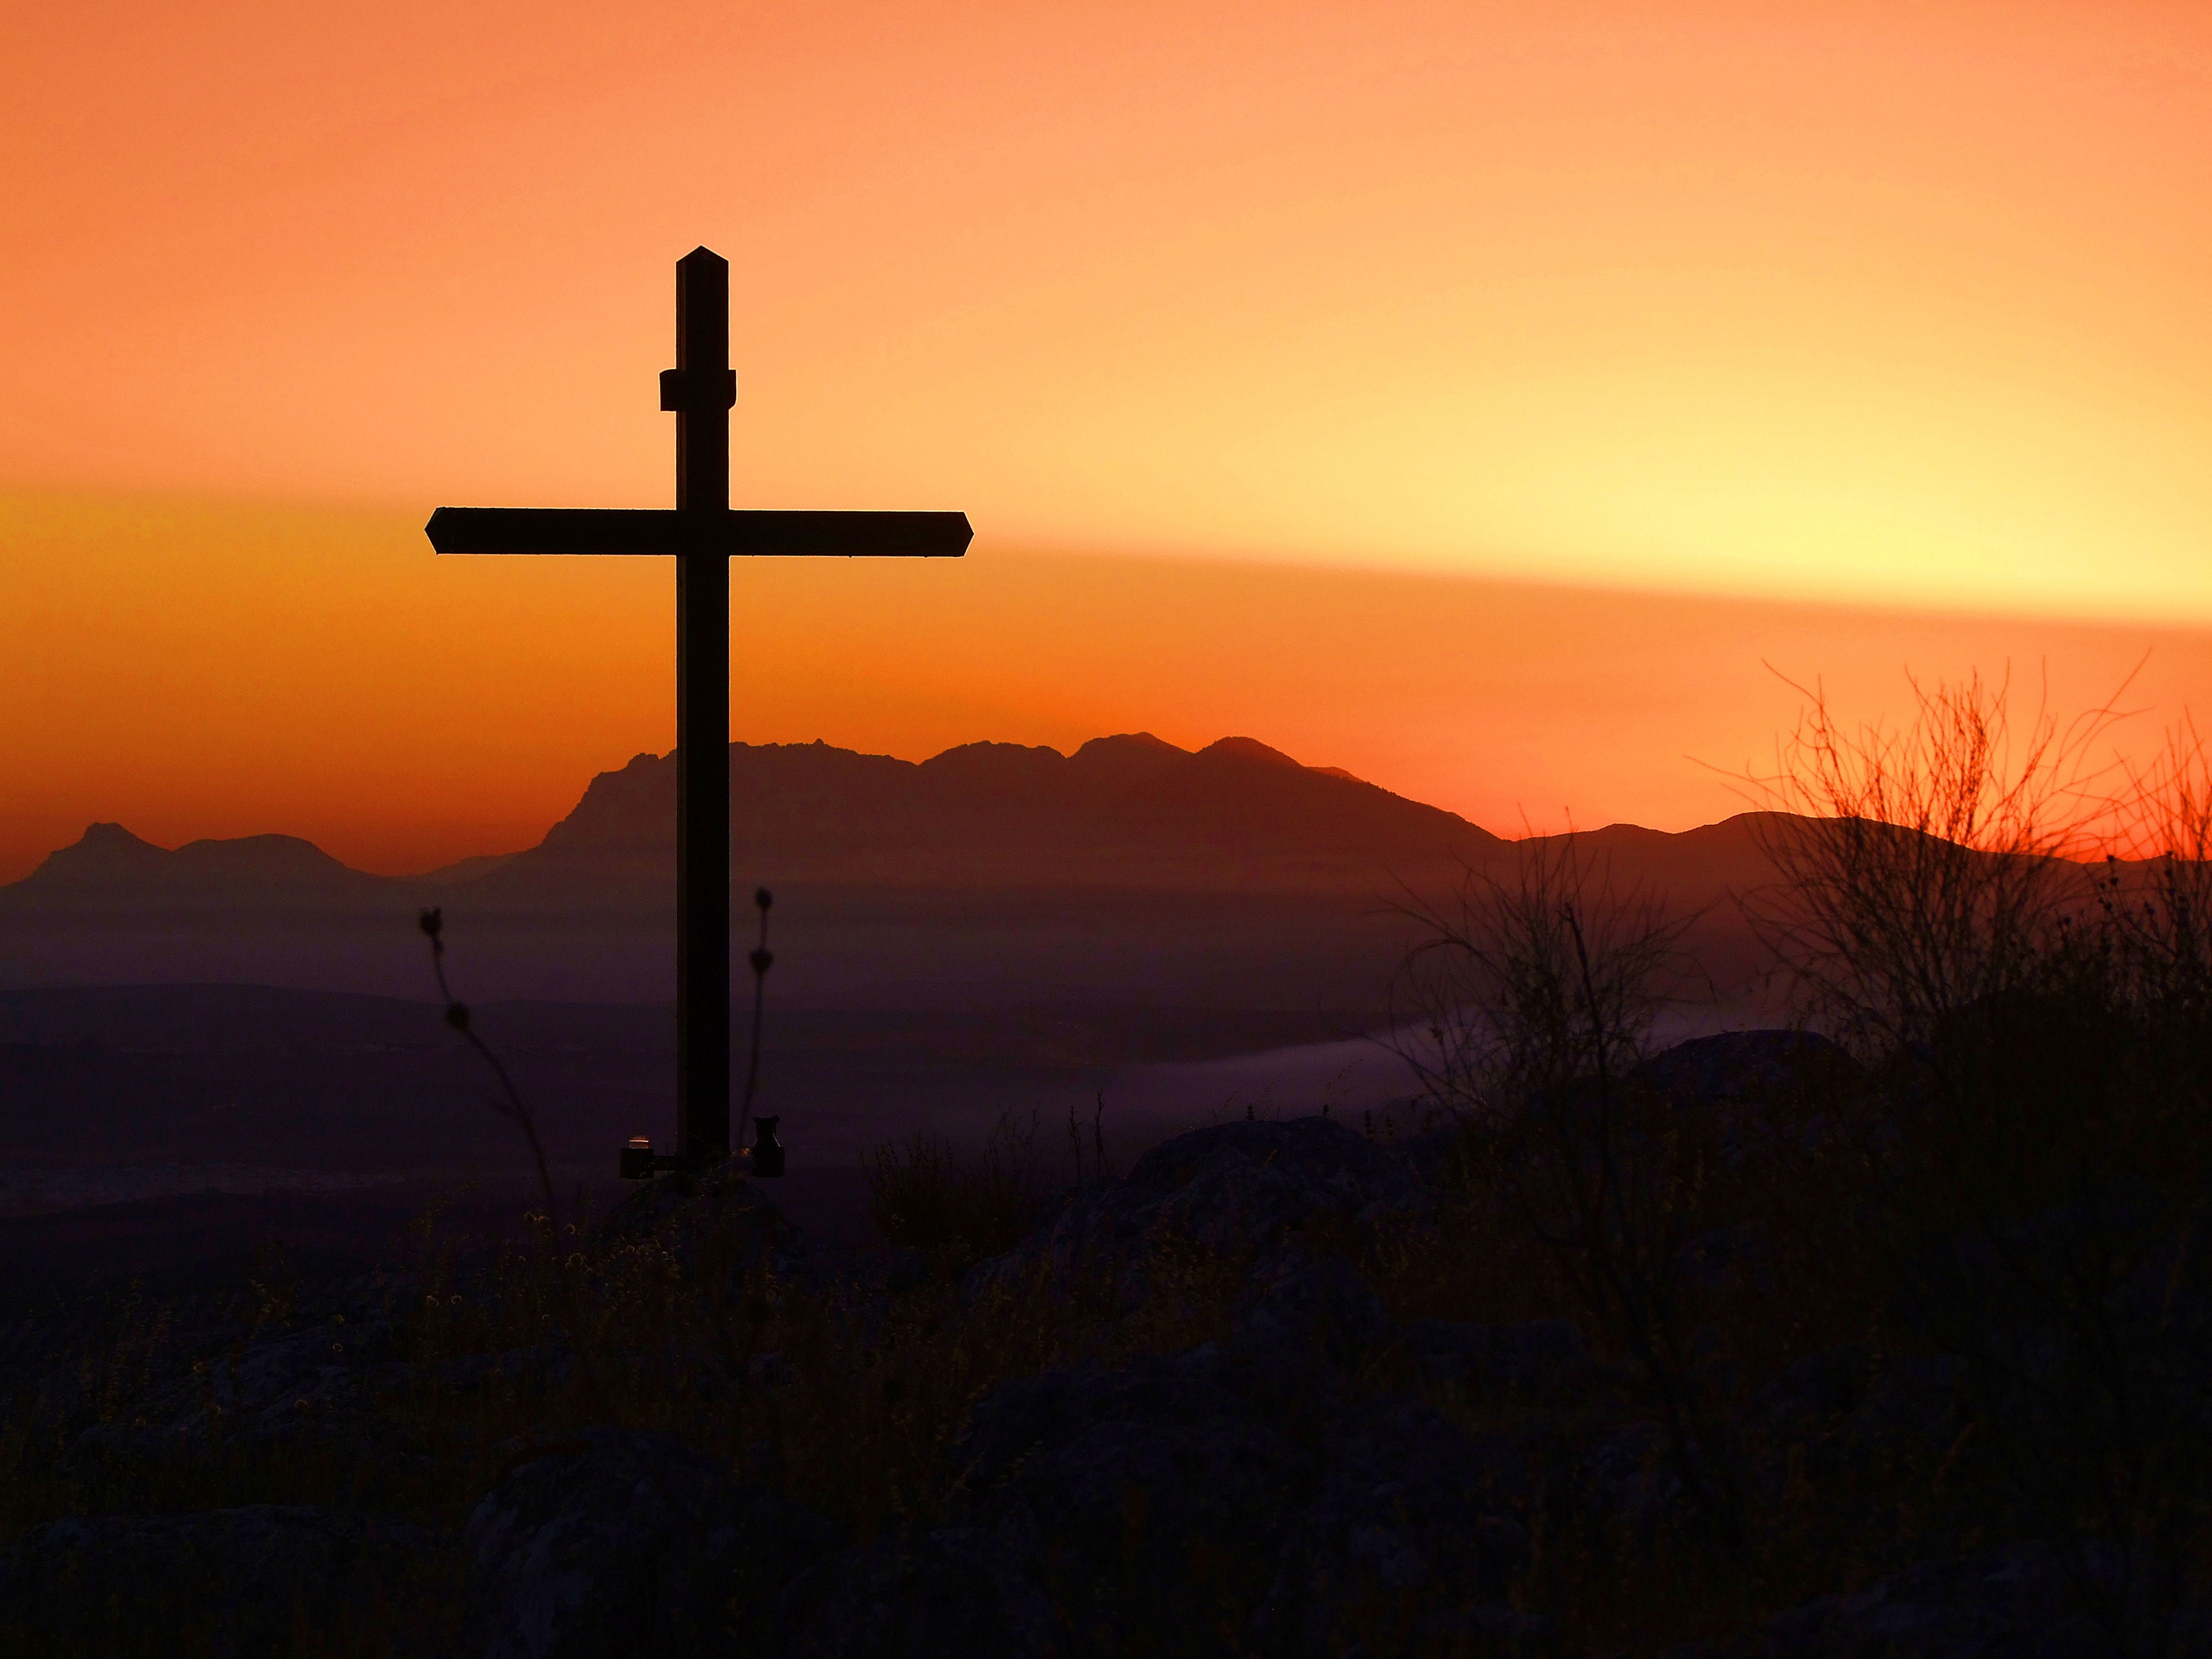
(764, 1157)
(767, 1149)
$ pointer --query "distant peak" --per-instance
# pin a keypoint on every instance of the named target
(1126, 760)
(109, 854)
(1129, 743)
(1248, 749)
(988, 747)
(112, 837)
(994, 760)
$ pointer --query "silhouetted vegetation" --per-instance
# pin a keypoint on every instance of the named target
(2005, 1195)
(2033, 1168)
(1917, 1287)
(923, 1195)
(1534, 1003)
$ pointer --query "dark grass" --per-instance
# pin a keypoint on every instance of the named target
(2010, 1185)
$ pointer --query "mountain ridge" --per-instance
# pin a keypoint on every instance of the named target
(108, 857)
(987, 876)
(1128, 807)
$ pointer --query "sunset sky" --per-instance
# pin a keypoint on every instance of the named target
(1489, 398)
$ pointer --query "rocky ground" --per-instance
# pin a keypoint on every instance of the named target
(1312, 1475)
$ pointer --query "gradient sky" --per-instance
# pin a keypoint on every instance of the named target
(1473, 396)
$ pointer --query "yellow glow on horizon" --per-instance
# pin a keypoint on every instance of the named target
(1871, 305)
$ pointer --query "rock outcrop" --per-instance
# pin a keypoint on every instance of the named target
(616, 1540)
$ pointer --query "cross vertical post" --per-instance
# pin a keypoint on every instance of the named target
(701, 391)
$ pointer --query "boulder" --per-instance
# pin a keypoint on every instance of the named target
(1240, 1496)
(2020, 1602)
(616, 1541)
(1312, 1307)
(1414, 1529)
(1236, 1190)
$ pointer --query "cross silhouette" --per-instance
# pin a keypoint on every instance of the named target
(703, 534)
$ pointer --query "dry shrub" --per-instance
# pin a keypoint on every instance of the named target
(2019, 1181)
(2032, 1178)
(1535, 996)
(843, 1397)
(924, 1195)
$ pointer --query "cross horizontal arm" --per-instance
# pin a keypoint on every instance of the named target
(739, 534)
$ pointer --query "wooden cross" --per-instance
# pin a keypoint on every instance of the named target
(703, 534)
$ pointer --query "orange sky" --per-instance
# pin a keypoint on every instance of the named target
(1225, 323)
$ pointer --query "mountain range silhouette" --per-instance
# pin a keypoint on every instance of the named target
(1129, 871)
(1120, 810)
(108, 860)
(1126, 810)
